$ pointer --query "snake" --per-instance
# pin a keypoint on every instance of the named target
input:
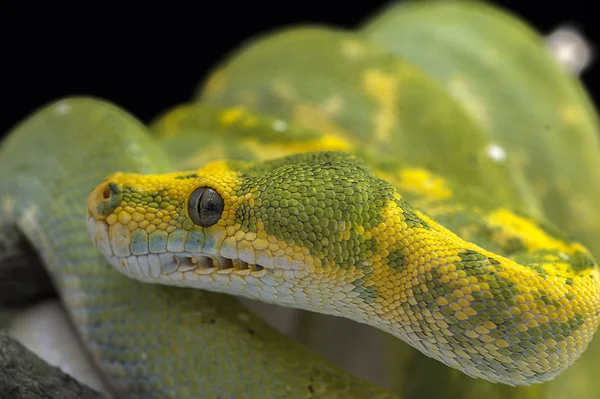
(333, 171)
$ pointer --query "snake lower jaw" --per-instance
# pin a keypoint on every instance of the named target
(183, 268)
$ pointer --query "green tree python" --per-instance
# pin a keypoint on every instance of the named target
(433, 174)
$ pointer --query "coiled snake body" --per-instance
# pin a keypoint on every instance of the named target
(355, 186)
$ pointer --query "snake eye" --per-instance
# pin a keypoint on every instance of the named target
(205, 206)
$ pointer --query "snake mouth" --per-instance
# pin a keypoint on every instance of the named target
(179, 266)
(163, 264)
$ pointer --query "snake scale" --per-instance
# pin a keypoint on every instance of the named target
(423, 174)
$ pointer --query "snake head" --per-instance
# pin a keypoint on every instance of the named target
(298, 216)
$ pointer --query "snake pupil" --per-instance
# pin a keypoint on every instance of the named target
(205, 206)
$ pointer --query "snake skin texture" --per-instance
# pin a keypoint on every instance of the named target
(349, 173)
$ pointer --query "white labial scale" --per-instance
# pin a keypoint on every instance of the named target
(157, 241)
(265, 258)
(212, 244)
(102, 240)
(120, 238)
(144, 265)
(154, 262)
(116, 262)
(176, 241)
(134, 268)
(245, 252)
(228, 249)
(168, 263)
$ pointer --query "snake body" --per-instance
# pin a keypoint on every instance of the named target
(377, 202)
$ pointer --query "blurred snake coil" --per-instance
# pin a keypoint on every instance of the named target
(432, 173)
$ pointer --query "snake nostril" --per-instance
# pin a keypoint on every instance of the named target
(106, 192)
(104, 199)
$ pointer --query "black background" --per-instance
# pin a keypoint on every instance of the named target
(147, 56)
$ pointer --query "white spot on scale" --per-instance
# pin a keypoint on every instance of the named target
(496, 152)
(570, 48)
(279, 125)
(62, 108)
